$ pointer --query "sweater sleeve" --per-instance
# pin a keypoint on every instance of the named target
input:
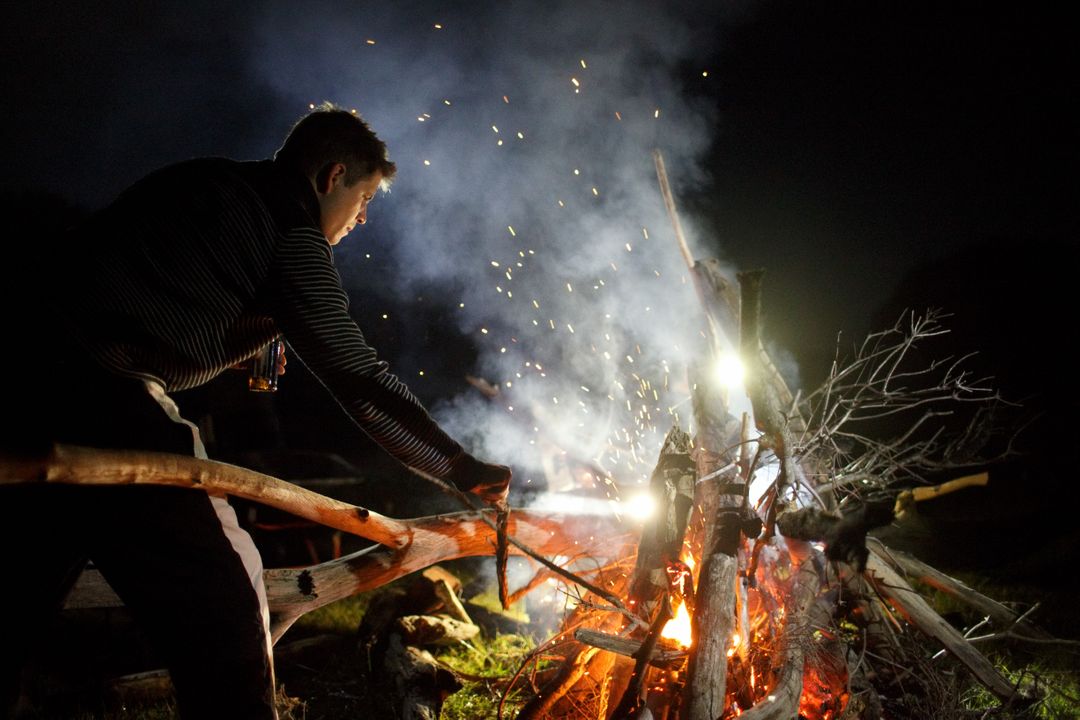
(311, 309)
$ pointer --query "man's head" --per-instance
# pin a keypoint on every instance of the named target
(345, 162)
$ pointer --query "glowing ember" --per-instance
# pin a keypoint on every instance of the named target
(678, 627)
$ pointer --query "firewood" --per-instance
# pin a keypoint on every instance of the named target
(663, 653)
(782, 701)
(672, 488)
(1001, 615)
(919, 613)
(721, 497)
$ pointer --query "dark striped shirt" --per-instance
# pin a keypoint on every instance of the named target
(197, 266)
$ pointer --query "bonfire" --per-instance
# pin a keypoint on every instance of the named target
(753, 591)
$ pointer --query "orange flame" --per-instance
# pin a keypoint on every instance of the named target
(678, 627)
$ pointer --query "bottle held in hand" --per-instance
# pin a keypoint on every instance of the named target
(264, 367)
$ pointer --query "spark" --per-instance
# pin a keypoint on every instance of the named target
(656, 114)
(370, 42)
(521, 136)
(576, 171)
(645, 232)
(427, 162)
(704, 73)
(495, 128)
(618, 116)
(446, 102)
(583, 63)
(576, 83)
(484, 331)
(506, 100)
(438, 26)
(494, 263)
(511, 229)
(595, 192)
(628, 248)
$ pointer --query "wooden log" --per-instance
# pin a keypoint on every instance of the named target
(561, 691)
(1000, 615)
(919, 613)
(722, 499)
(782, 702)
(672, 488)
(662, 655)
(769, 406)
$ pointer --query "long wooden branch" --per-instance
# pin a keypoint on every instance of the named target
(893, 587)
(435, 539)
(73, 465)
(404, 545)
(1001, 615)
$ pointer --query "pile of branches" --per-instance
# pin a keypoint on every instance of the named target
(796, 613)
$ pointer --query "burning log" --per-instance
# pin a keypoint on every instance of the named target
(782, 701)
(725, 518)
(662, 654)
(672, 489)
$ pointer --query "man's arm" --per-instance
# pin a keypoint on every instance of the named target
(311, 309)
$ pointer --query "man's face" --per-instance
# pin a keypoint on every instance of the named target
(342, 207)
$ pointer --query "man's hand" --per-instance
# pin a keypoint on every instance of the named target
(491, 483)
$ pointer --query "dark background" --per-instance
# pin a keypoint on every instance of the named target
(872, 157)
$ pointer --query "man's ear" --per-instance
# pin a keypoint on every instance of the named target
(331, 175)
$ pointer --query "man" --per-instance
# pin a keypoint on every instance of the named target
(188, 273)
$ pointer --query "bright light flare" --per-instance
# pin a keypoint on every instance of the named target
(640, 506)
(729, 371)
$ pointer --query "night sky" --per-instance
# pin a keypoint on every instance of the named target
(871, 157)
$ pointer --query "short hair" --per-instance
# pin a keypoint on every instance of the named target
(330, 134)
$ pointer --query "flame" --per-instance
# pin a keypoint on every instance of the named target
(678, 627)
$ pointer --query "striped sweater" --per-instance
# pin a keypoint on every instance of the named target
(198, 265)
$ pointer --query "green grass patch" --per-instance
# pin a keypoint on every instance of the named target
(497, 658)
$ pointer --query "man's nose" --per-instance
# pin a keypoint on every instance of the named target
(362, 217)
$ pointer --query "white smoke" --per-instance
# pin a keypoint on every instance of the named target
(527, 196)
